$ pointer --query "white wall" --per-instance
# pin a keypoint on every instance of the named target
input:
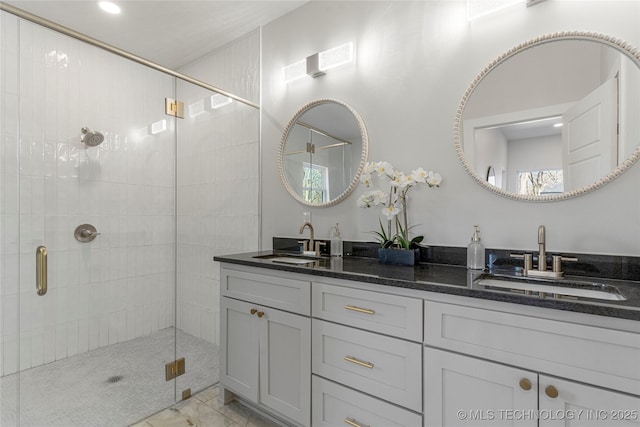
(530, 80)
(414, 61)
(490, 149)
(121, 285)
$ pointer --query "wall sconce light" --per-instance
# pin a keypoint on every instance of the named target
(210, 103)
(317, 64)
(196, 108)
(157, 127)
(218, 100)
(476, 9)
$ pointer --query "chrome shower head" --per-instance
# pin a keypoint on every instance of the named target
(91, 138)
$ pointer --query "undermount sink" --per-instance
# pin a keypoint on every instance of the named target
(558, 289)
(289, 258)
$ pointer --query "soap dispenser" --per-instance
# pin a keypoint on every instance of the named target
(475, 251)
(336, 242)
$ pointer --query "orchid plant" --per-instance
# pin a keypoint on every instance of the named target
(394, 203)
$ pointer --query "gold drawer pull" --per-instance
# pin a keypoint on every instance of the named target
(551, 391)
(352, 422)
(359, 310)
(253, 311)
(260, 313)
(358, 362)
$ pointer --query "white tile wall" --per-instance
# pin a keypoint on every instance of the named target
(121, 285)
(9, 203)
(218, 181)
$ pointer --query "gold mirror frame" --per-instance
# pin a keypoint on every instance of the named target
(363, 157)
(631, 51)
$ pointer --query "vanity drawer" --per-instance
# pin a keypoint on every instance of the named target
(393, 315)
(385, 367)
(334, 405)
(267, 289)
(595, 355)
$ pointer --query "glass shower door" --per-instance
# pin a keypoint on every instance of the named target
(217, 213)
(93, 304)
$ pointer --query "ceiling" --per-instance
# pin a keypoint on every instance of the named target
(169, 33)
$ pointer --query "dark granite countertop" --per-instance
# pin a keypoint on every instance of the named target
(446, 279)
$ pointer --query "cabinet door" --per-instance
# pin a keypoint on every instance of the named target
(465, 391)
(565, 403)
(285, 364)
(239, 348)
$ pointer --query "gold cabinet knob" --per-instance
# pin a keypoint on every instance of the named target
(260, 313)
(551, 391)
(253, 311)
(525, 384)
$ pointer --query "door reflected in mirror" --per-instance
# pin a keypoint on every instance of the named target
(556, 116)
(491, 176)
(322, 152)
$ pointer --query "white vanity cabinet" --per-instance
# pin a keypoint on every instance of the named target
(323, 351)
(526, 370)
(265, 350)
(367, 357)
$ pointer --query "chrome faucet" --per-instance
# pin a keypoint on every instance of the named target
(541, 271)
(542, 253)
(311, 243)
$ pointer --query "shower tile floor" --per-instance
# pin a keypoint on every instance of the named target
(112, 386)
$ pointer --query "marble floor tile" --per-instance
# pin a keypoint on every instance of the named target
(204, 410)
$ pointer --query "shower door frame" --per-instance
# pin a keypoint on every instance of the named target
(178, 76)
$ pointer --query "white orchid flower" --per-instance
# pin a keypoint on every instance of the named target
(400, 180)
(365, 178)
(364, 201)
(419, 175)
(384, 168)
(434, 179)
(378, 197)
(395, 201)
(390, 211)
(371, 198)
(370, 167)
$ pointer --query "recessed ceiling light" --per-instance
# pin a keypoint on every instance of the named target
(109, 7)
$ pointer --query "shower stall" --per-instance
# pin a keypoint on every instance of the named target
(113, 202)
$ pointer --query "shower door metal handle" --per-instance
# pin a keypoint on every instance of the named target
(41, 270)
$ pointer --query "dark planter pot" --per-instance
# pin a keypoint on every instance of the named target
(398, 256)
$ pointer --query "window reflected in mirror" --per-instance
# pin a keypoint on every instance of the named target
(322, 153)
(540, 182)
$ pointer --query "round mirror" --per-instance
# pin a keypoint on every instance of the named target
(322, 153)
(554, 118)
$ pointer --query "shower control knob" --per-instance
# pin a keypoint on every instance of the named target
(85, 233)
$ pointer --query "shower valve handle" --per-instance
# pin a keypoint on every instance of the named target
(85, 233)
